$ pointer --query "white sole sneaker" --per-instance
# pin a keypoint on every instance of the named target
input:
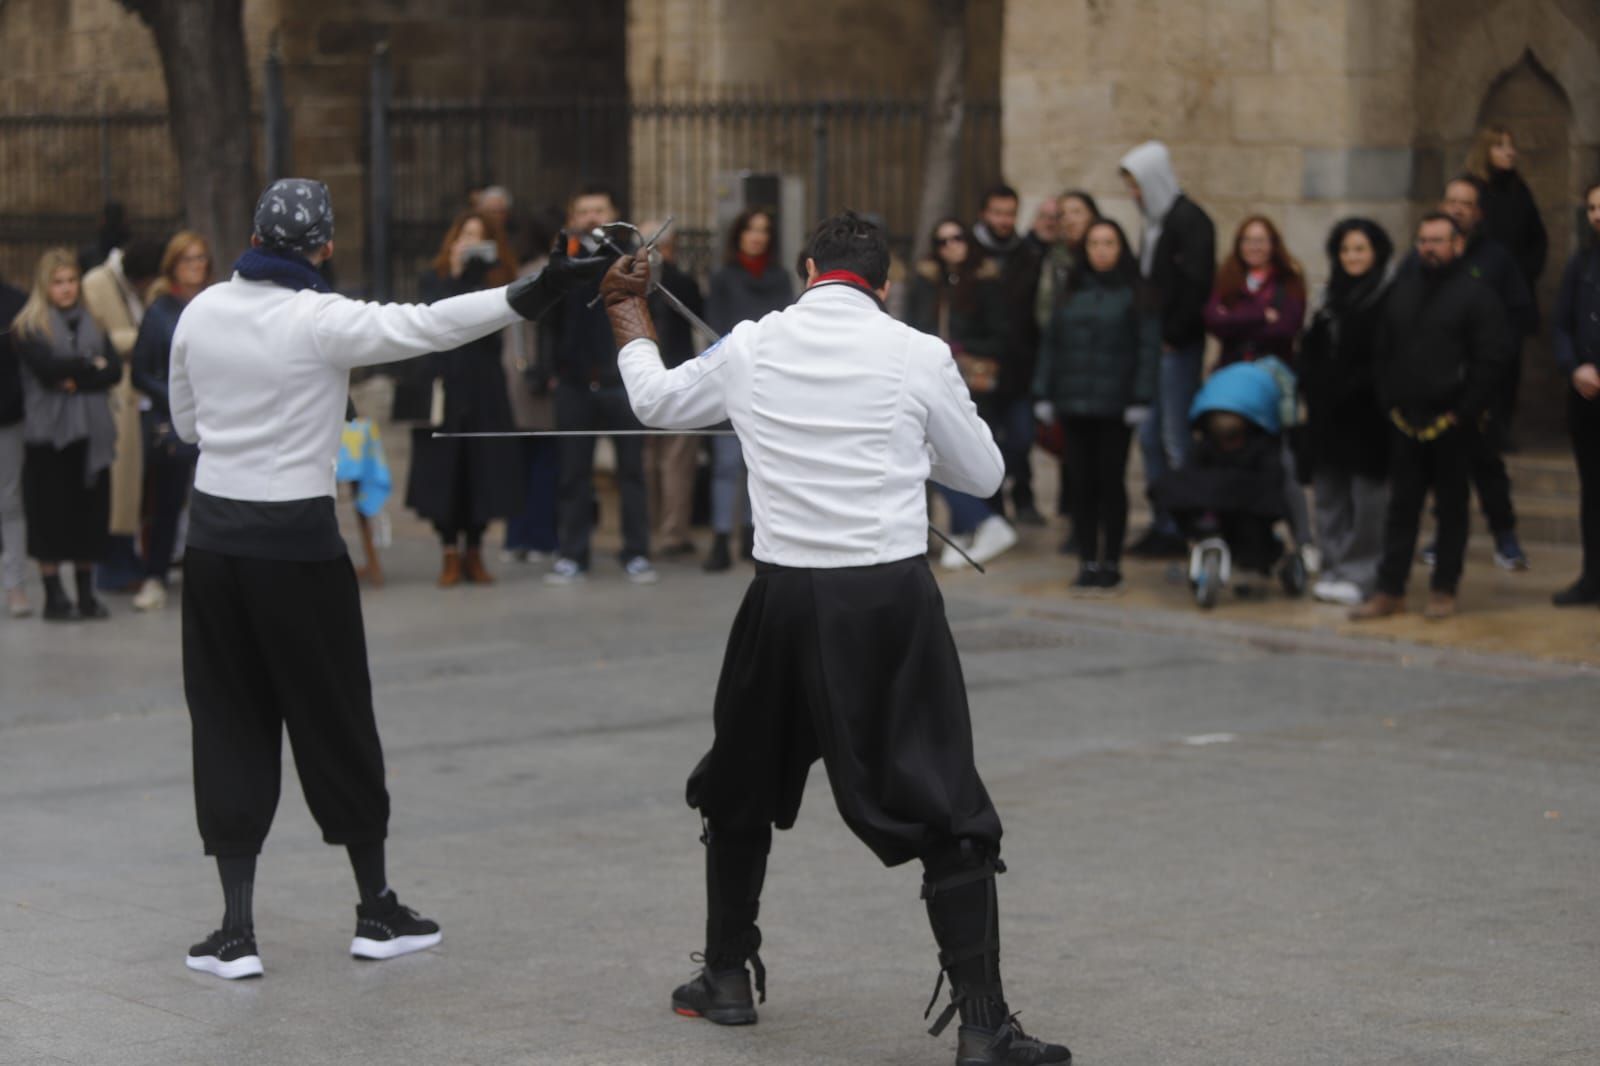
(993, 538)
(244, 966)
(363, 948)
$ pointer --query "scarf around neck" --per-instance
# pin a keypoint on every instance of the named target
(59, 418)
(281, 268)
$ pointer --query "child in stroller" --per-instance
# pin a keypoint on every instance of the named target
(1230, 495)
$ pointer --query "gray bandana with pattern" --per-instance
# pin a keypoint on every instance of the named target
(296, 215)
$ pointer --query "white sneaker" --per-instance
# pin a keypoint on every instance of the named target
(639, 571)
(994, 538)
(152, 596)
(1344, 593)
(950, 558)
(565, 572)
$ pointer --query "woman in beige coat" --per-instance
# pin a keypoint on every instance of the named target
(113, 293)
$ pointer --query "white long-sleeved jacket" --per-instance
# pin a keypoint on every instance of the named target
(843, 414)
(260, 375)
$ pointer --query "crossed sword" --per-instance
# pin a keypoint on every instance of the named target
(603, 235)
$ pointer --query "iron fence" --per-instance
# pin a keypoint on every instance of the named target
(662, 154)
(61, 169)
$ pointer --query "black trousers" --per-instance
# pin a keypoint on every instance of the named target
(269, 644)
(167, 478)
(1490, 477)
(857, 667)
(1583, 421)
(578, 407)
(1443, 465)
(1096, 464)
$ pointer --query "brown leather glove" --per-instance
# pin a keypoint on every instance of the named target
(624, 289)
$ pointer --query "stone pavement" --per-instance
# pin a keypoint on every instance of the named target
(1244, 837)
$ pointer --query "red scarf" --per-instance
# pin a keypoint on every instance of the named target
(848, 277)
(756, 265)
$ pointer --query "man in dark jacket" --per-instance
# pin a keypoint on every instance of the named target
(1442, 351)
(1492, 263)
(1575, 329)
(1018, 259)
(13, 536)
(589, 396)
(1178, 257)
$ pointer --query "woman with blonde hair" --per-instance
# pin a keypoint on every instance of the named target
(1510, 214)
(69, 435)
(186, 269)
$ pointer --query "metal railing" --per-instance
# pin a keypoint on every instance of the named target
(661, 153)
(60, 169)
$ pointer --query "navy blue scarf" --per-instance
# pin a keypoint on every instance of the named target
(281, 268)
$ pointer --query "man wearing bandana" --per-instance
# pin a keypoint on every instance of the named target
(272, 627)
(841, 650)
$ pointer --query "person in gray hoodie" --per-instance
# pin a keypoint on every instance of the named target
(1178, 257)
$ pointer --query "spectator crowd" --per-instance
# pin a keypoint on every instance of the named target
(1309, 441)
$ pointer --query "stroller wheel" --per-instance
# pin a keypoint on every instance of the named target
(1292, 574)
(1208, 580)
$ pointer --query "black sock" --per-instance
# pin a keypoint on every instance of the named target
(238, 890)
(85, 576)
(53, 588)
(367, 862)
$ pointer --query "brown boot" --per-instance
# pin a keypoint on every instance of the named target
(1378, 605)
(474, 569)
(1441, 605)
(450, 573)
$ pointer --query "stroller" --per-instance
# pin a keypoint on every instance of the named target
(1230, 496)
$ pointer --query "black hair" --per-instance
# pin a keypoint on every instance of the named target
(1440, 216)
(849, 242)
(1478, 186)
(1080, 194)
(742, 223)
(141, 261)
(595, 188)
(998, 191)
(1377, 236)
(1126, 272)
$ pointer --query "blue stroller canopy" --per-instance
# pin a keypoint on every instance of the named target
(1244, 389)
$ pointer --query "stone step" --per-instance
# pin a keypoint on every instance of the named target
(1552, 474)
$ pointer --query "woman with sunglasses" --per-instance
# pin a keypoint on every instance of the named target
(956, 296)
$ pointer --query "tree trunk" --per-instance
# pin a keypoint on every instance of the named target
(947, 116)
(201, 43)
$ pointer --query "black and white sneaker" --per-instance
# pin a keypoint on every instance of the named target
(228, 953)
(386, 928)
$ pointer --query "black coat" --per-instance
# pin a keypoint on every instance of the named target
(1019, 265)
(475, 401)
(1346, 428)
(1183, 271)
(739, 296)
(1443, 344)
(976, 326)
(1576, 325)
(673, 332)
(151, 360)
(11, 301)
(578, 336)
(1511, 217)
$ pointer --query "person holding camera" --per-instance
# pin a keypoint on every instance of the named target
(462, 484)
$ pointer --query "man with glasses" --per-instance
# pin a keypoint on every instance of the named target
(1441, 355)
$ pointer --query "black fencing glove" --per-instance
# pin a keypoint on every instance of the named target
(532, 296)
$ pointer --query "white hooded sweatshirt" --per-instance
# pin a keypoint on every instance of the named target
(1151, 166)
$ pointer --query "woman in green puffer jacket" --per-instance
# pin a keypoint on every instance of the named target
(1097, 372)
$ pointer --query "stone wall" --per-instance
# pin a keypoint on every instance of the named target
(1305, 110)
